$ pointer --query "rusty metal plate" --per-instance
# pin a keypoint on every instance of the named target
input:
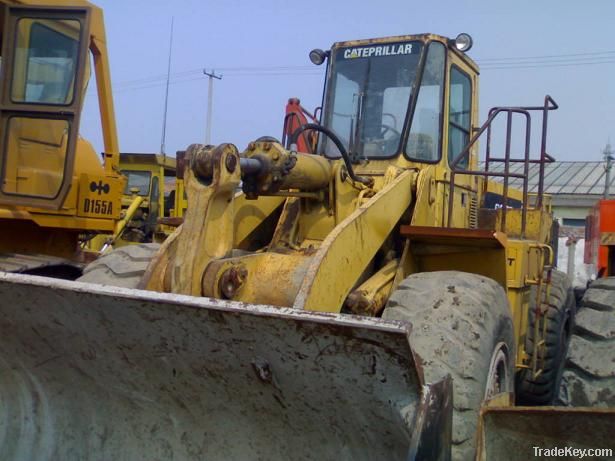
(91, 372)
(607, 238)
(517, 433)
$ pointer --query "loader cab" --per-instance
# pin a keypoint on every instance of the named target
(151, 176)
(408, 99)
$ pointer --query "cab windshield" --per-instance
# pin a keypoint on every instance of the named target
(137, 180)
(368, 95)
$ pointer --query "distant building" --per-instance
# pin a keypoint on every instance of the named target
(574, 188)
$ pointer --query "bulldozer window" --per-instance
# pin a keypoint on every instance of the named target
(459, 115)
(138, 179)
(46, 56)
(424, 140)
(368, 95)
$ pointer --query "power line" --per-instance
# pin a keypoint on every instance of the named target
(265, 74)
(156, 84)
(548, 56)
(154, 78)
(186, 80)
(549, 61)
(227, 70)
(520, 62)
(531, 66)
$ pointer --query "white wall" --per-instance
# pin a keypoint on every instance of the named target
(582, 272)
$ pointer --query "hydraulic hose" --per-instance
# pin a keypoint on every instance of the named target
(338, 143)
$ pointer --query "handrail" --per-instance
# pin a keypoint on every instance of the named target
(549, 104)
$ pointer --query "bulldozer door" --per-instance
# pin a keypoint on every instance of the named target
(44, 59)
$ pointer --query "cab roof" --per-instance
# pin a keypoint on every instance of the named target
(426, 37)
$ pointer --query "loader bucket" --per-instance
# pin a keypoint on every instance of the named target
(91, 372)
(520, 433)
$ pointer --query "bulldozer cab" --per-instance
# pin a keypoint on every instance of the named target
(44, 71)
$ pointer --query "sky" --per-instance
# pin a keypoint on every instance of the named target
(525, 48)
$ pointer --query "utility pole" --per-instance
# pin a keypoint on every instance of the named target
(210, 97)
(166, 96)
(608, 158)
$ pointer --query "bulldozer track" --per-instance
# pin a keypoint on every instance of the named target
(38, 264)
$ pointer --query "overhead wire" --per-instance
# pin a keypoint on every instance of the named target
(549, 56)
(501, 63)
(543, 65)
(156, 83)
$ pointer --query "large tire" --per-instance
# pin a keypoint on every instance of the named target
(544, 389)
(122, 267)
(589, 375)
(462, 326)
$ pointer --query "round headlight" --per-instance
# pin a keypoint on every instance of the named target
(463, 42)
(317, 56)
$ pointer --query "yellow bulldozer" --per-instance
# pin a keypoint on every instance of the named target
(55, 193)
(358, 301)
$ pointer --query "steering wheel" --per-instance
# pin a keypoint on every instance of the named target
(388, 144)
(386, 128)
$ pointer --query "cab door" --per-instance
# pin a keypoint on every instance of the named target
(462, 118)
(44, 58)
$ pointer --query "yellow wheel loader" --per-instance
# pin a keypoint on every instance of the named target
(147, 177)
(55, 193)
(360, 301)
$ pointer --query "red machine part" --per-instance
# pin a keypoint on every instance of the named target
(296, 116)
(600, 238)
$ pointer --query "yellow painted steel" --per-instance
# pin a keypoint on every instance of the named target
(256, 273)
(211, 207)
(181, 203)
(129, 213)
(336, 266)
(98, 48)
(371, 296)
(29, 172)
(250, 214)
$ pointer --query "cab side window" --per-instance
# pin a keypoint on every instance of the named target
(460, 101)
(423, 142)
